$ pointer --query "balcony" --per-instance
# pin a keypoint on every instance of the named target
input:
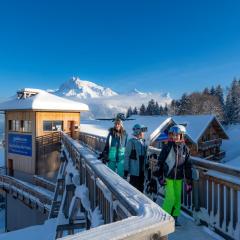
(210, 144)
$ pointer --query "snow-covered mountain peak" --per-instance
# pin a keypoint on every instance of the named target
(75, 87)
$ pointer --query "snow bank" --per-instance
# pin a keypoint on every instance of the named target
(232, 146)
(47, 231)
(2, 163)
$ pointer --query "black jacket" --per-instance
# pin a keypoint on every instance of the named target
(174, 167)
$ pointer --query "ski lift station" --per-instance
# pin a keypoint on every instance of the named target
(52, 178)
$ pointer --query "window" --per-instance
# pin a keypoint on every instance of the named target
(52, 125)
(27, 126)
(10, 125)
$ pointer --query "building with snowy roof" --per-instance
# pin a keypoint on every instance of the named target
(30, 117)
(204, 132)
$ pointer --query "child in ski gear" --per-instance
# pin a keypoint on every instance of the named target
(174, 166)
(135, 157)
(114, 151)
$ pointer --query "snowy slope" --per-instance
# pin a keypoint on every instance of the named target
(232, 146)
(83, 89)
(46, 231)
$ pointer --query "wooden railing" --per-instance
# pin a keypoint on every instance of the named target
(215, 199)
(28, 195)
(100, 189)
(210, 144)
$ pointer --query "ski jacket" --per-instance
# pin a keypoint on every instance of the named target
(174, 162)
(135, 156)
(115, 146)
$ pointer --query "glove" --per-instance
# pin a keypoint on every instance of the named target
(103, 157)
(188, 188)
(162, 182)
(125, 175)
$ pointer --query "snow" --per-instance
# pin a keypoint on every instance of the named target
(196, 124)
(232, 146)
(2, 161)
(2, 220)
(83, 89)
(47, 231)
(97, 218)
(42, 101)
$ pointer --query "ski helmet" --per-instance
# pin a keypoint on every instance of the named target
(138, 128)
(177, 129)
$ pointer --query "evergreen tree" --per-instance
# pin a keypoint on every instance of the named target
(156, 109)
(161, 111)
(150, 108)
(206, 91)
(142, 110)
(129, 112)
(165, 110)
(135, 111)
(213, 91)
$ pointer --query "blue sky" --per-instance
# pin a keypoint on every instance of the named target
(168, 46)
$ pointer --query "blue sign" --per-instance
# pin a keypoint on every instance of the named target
(20, 144)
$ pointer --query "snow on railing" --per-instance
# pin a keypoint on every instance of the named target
(26, 192)
(94, 190)
(215, 199)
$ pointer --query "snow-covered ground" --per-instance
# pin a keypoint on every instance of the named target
(47, 231)
(1, 156)
(2, 220)
(232, 146)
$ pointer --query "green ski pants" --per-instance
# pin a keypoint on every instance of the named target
(172, 201)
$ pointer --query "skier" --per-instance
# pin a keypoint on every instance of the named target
(114, 150)
(174, 166)
(135, 157)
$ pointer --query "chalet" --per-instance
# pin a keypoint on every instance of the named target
(204, 132)
(33, 119)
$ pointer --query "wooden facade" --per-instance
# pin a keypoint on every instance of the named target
(208, 145)
(44, 159)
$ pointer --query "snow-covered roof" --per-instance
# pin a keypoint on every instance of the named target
(196, 125)
(36, 99)
(100, 127)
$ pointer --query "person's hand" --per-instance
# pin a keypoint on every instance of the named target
(188, 187)
(162, 182)
(125, 175)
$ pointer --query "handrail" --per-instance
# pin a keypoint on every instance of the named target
(215, 199)
(11, 181)
(147, 220)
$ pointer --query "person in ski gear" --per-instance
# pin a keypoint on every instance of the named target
(174, 166)
(114, 151)
(136, 157)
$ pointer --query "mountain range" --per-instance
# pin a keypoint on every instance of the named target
(103, 101)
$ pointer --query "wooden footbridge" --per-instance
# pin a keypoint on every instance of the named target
(92, 202)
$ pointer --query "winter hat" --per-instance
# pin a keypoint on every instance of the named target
(138, 128)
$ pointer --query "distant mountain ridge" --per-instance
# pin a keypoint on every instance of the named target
(103, 101)
(83, 89)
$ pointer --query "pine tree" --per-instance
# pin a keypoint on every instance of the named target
(213, 91)
(165, 110)
(219, 94)
(156, 109)
(161, 111)
(150, 108)
(206, 91)
(135, 111)
(129, 112)
(142, 110)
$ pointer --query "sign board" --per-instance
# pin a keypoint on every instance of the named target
(20, 144)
